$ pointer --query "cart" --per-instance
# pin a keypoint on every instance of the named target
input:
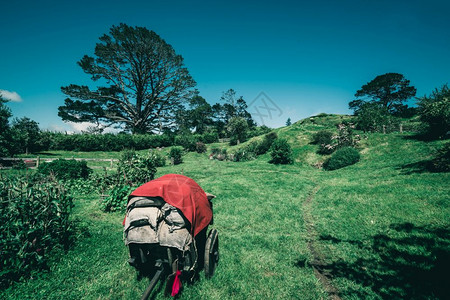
(166, 232)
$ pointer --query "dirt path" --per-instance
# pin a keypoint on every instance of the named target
(318, 261)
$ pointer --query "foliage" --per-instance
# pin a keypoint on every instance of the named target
(323, 138)
(288, 122)
(346, 136)
(200, 147)
(65, 169)
(434, 111)
(25, 136)
(341, 158)
(116, 200)
(176, 155)
(34, 219)
(136, 169)
(218, 153)
(237, 128)
(441, 160)
(147, 82)
(389, 91)
(187, 140)
(5, 134)
(158, 158)
(281, 152)
(266, 143)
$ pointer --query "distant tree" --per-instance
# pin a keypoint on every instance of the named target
(142, 82)
(237, 127)
(389, 91)
(236, 107)
(5, 114)
(25, 135)
(199, 114)
(288, 122)
(371, 117)
(434, 111)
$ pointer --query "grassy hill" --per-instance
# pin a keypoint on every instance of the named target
(376, 230)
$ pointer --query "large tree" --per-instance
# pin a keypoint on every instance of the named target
(141, 81)
(388, 91)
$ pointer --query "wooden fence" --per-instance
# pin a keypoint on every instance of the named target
(34, 162)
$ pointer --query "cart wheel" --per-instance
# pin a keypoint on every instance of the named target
(211, 253)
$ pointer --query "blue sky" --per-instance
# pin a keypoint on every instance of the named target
(307, 57)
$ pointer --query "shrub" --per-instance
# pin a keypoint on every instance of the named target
(322, 137)
(158, 158)
(175, 155)
(66, 169)
(116, 200)
(34, 219)
(243, 154)
(441, 161)
(218, 153)
(209, 137)
(266, 143)
(200, 147)
(187, 141)
(434, 111)
(136, 168)
(341, 158)
(281, 152)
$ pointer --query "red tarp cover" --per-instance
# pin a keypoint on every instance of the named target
(183, 193)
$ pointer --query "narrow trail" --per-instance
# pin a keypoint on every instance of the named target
(318, 262)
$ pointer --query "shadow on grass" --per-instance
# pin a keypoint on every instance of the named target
(410, 263)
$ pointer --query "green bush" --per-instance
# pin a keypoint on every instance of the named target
(116, 200)
(218, 153)
(341, 158)
(244, 154)
(434, 111)
(281, 152)
(266, 143)
(322, 137)
(158, 158)
(200, 147)
(176, 155)
(187, 141)
(66, 169)
(135, 169)
(34, 219)
(441, 161)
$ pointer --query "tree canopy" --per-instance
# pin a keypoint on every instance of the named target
(434, 111)
(141, 82)
(388, 91)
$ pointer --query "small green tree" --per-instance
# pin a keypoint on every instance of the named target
(5, 114)
(26, 135)
(434, 111)
(237, 127)
(288, 122)
(281, 152)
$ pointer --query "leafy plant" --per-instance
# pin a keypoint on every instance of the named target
(176, 155)
(281, 152)
(135, 168)
(266, 143)
(34, 219)
(66, 169)
(200, 147)
(441, 161)
(116, 200)
(218, 153)
(434, 111)
(341, 158)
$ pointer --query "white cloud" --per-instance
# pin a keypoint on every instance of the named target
(11, 96)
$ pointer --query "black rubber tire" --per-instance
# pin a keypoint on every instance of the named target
(211, 253)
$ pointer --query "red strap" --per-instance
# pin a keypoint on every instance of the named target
(176, 284)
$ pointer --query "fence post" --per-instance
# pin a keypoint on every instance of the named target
(401, 128)
(37, 161)
(111, 163)
(384, 129)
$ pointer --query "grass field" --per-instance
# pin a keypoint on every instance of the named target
(375, 230)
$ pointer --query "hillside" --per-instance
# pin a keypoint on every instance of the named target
(376, 230)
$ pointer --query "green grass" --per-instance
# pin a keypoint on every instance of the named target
(381, 226)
